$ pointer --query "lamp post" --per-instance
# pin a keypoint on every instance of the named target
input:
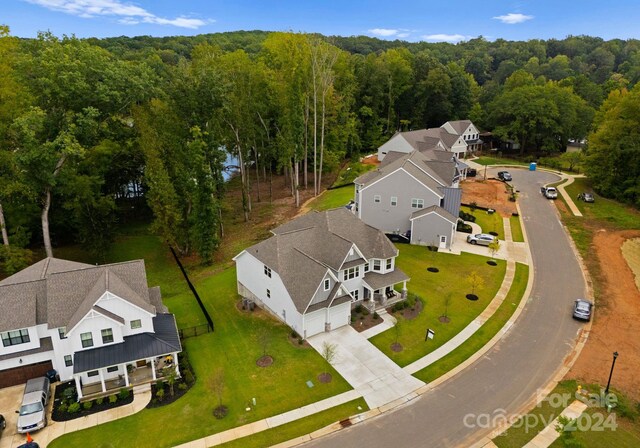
(615, 356)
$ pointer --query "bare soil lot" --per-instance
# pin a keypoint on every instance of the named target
(488, 193)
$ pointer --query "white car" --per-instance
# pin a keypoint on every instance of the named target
(484, 239)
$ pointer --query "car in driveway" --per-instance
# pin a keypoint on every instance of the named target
(582, 309)
(504, 176)
(586, 197)
(483, 239)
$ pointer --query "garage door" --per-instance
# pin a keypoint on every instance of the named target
(314, 323)
(19, 375)
(339, 315)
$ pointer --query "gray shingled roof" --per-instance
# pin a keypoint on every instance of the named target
(418, 165)
(375, 280)
(434, 209)
(460, 125)
(60, 292)
(302, 250)
(163, 341)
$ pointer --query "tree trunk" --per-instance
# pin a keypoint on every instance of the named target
(315, 131)
(3, 227)
(306, 140)
(321, 142)
(221, 225)
(297, 184)
(255, 149)
(45, 222)
(270, 185)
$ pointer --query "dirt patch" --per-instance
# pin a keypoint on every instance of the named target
(490, 193)
(616, 323)
(396, 347)
(409, 313)
(370, 160)
(264, 361)
(325, 378)
(631, 253)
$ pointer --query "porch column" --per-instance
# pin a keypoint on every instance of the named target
(404, 289)
(175, 361)
(104, 388)
(153, 368)
(76, 378)
(126, 375)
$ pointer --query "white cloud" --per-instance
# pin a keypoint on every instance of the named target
(403, 35)
(513, 18)
(445, 37)
(384, 32)
(128, 14)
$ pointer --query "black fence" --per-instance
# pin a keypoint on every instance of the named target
(191, 332)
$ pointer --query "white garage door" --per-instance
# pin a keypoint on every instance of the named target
(314, 323)
(339, 315)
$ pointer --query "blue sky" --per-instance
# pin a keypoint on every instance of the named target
(412, 20)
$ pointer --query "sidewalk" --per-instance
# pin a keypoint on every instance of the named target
(549, 434)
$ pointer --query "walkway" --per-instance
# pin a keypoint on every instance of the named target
(370, 372)
(549, 434)
(567, 197)
(141, 397)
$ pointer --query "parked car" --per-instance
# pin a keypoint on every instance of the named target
(586, 197)
(504, 175)
(472, 172)
(549, 192)
(33, 411)
(29, 445)
(582, 309)
(483, 239)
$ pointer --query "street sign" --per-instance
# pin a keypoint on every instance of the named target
(430, 334)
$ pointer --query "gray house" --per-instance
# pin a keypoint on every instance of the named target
(314, 268)
(414, 194)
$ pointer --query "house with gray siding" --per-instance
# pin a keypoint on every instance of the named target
(416, 195)
(315, 268)
(101, 326)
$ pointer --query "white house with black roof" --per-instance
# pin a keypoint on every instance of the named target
(315, 268)
(101, 326)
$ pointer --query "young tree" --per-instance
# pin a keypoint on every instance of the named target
(494, 247)
(216, 384)
(329, 353)
(476, 281)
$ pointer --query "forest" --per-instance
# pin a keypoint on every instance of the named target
(94, 129)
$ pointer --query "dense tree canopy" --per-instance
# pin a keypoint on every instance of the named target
(90, 129)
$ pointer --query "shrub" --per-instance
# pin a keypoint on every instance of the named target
(358, 308)
(365, 312)
(188, 376)
(353, 319)
(124, 393)
(87, 405)
(113, 399)
(69, 393)
(462, 227)
(160, 394)
(73, 407)
(466, 216)
(182, 386)
(300, 341)
(294, 334)
(376, 316)
(100, 400)
(63, 406)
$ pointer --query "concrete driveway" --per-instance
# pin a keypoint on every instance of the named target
(10, 398)
(369, 371)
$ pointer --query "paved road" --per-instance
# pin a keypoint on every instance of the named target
(511, 373)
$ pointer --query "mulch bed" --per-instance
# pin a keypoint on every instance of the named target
(444, 319)
(396, 347)
(362, 322)
(167, 399)
(295, 341)
(472, 297)
(409, 313)
(264, 361)
(58, 416)
(325, 378)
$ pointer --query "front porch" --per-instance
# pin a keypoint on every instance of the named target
(380, 289)
(129, 375)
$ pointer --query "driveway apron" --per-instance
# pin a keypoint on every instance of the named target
(369, 371)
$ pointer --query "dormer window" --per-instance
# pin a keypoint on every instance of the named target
(389, 263)
(327, 284)
(62, 332)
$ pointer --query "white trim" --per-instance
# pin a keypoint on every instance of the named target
(428, 213)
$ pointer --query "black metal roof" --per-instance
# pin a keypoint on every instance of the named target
(164, 341)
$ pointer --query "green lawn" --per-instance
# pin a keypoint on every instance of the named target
(300, 427)
(487, 160)
(626, 434)
(489, 222)
(485, 333)
(338, 197)
(234, 348)
(516, 229)
(350, 172)
(435, 288)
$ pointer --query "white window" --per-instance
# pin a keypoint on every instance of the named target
(389, 262)
(351, 273)
(268, 293)
(107, 336)
(355, 295)
(376, 265)
(394, 201)
(376, 198)
(86, 339)
(327, 283)
(68, 360)
(15, 337)
(366, 267)
(267, 271)
(62, 332)
(417, 203)
(137, 323)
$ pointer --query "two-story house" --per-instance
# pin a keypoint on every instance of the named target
(97, 325)
(467, 130)
(416, 195)
(314, 268)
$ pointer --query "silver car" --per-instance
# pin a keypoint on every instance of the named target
(582, 309)
(483, 239)
(32, 414)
